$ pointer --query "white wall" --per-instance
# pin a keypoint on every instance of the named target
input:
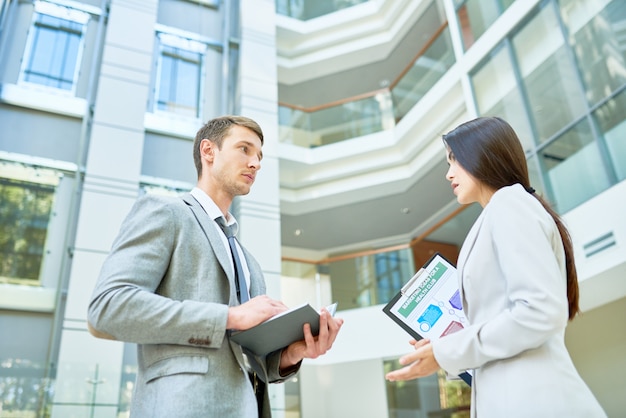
(597, 343)
(601, 275)
(353, 389)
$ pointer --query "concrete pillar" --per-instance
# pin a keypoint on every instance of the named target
(89, 370)
(259, 212)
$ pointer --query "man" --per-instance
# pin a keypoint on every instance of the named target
(170, 286)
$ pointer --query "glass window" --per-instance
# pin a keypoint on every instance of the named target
(497, 94)
(432, 396)
(534, 175)
(54, 46)
(26, 199)
(611, 120)
(179, 79)
(310, 9)
(551, 84)
(476, 16)
(597, 36)
(574, 159)
(370, 279)
(427, 69)
(391, 274)
(25, 391)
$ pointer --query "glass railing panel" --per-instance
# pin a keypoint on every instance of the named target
(476, 16)
(431, 396)
(336, 123)
(497, 93)
(24, 389)
(370, 280)
(547, 74)
(596, 34)
(76, 390)
(294, 127)
(611, 121)
(309, 9)
(305, 282)
(574, 159)
(423, 75)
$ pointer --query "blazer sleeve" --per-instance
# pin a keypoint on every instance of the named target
(125, 304)
(526, 250)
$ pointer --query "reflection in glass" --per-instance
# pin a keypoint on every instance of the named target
(336, 123)
(23, 390)
(432, 396)
(574, 159)
(534, 174)
(25, 211)
(179, 75)
(596, 35)
(371, 279)
(55, 50)
(550, 81)
(455, 229)
(475, 16)
(310, 9)
(422, 76)
(497, 94)
(611, 121)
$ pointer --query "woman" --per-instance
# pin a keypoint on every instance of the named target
(518, 284)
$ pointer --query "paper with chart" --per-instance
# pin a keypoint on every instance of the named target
(430, 303)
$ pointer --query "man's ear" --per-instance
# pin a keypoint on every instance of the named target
(207, 150)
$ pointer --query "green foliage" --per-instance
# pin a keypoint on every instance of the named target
(25, 210)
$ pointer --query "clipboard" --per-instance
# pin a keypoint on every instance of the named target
(429, 304)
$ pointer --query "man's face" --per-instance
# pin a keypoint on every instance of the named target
(235, 165)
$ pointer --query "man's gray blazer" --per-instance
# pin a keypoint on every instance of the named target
(166, 286)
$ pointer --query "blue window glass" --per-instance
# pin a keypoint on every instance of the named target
(54, 52)
(180, 75)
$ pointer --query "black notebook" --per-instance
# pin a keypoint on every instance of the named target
(429, 304)
(281, 330)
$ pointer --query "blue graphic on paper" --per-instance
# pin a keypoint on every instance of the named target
(455, 301)
(430, 316)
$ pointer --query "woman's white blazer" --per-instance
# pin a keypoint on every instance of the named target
(512, 277)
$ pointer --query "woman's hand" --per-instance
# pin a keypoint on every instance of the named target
(420, 363)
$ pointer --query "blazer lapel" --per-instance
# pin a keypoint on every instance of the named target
(206, 224)
(466, 249)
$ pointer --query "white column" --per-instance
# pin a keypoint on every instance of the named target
(90, 369)
(259, 212)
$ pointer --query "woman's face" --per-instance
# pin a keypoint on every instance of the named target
(464, 186)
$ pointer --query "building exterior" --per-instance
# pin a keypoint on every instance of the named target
(100, 102)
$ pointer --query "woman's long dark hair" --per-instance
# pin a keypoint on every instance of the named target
(488, 148)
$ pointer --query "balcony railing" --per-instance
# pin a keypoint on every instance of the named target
(310, 9)
(373, 111)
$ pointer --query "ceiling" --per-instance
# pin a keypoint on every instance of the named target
(399, 190)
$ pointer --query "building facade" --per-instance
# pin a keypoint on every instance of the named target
(100, 102)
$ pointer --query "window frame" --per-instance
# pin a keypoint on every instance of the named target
(61, 177)
(188, 43)
(65, 12)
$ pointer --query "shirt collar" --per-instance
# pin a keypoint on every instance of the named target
(211, 208)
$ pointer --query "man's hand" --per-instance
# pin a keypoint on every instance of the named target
(420, 363)
(312, 347)
(253, 312)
